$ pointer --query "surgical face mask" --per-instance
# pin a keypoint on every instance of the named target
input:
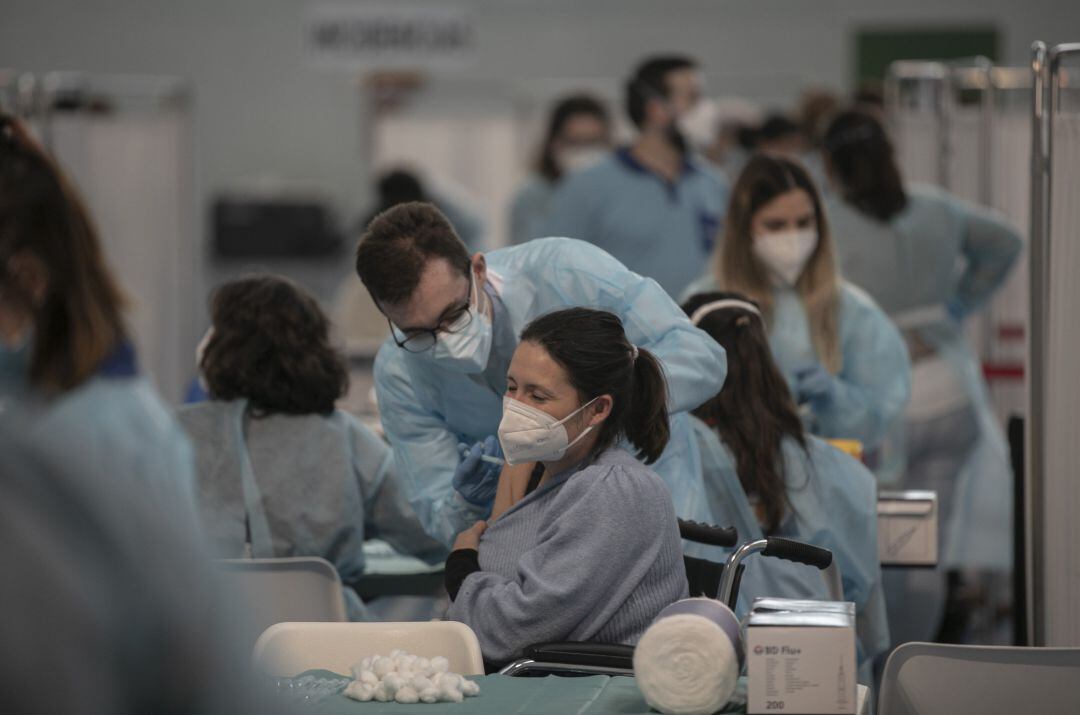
(466, 344)
(531, 435)
(698, 126)
(785, 253)
(579, 157)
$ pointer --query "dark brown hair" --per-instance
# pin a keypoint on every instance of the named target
(271, 346)
(565, 110)
(738, 269)
(650, 82)
(599, 360)
(398, 243)
(862, 160)
(78, 321)
(754, 411)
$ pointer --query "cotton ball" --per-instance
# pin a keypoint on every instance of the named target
(368, 678)
(359, 691)
(452, 680)
(381, 666)
(382, 694)
(393, 682)
(421, 683)
(406, 695)
(470, 688)
(439, 664)
(429, 695)
(450, 694)
(423, 665)
(397, 653)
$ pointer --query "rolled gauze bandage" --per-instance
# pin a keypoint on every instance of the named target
(688, 661)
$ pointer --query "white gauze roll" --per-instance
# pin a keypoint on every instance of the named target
(688, 661)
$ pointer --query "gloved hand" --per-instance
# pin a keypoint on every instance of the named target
(476, 479)
(814, 384)
(955, 309)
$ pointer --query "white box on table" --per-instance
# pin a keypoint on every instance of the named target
(800, 657)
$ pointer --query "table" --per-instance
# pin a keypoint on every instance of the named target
(501, 695)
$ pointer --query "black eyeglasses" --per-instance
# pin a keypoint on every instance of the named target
(423, 339)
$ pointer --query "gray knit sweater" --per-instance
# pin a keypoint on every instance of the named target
(592, 555)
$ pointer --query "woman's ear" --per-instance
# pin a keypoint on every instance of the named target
(601, 408)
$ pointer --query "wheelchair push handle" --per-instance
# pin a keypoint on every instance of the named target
(798, 552)
(725, 536)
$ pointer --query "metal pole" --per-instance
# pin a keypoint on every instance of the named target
(1034, 452)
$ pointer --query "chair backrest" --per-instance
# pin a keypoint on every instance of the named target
(936, 679)
(279, 590)
(287, 649)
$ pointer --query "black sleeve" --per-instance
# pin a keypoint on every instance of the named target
(459, 565)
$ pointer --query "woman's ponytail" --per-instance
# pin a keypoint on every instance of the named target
(646, 424)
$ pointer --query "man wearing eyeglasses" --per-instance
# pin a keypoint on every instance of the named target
(454, 322)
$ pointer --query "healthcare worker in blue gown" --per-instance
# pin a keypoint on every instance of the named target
(931, 261)
(844, 361)
(578, 135)
(67, 366)
(455, 322)
(654, 205)
(766, 476)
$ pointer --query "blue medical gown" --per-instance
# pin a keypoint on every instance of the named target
(116, 424)
(940, 251)
(310, 485)
(874, 382)
(833, 504)
(655, 228)
(530, 208)
(427, 409)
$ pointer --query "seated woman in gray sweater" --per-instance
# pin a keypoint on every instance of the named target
(279, 470)
(584, 545)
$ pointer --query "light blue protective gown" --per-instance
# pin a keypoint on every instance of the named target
(309, 485)
(874, 383)
(939, 259)
(530, 209)
(655, 228)
(115, 422)
(428, 409)
(833, 504)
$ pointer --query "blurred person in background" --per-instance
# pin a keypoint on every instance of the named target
(654, 205)
(932, 261)
(578, 135)
(780, 135)
(67, 365)
(399, 185)
(844, 361)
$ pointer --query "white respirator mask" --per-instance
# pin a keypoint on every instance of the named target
(785, 253)
(580, 157)
(527, 434)
(466, 349)
(698, 126)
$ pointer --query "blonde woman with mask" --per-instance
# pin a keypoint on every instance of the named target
(846, 364)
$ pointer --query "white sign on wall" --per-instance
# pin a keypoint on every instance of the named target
(389, 37)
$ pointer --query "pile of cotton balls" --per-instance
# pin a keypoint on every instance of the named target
(408, 679)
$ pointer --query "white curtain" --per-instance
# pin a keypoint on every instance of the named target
(967, 161)
(917, 138)
(1062, 446)
(133, 174)
(1010, 193)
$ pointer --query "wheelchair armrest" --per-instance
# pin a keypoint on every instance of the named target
(606, 655)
